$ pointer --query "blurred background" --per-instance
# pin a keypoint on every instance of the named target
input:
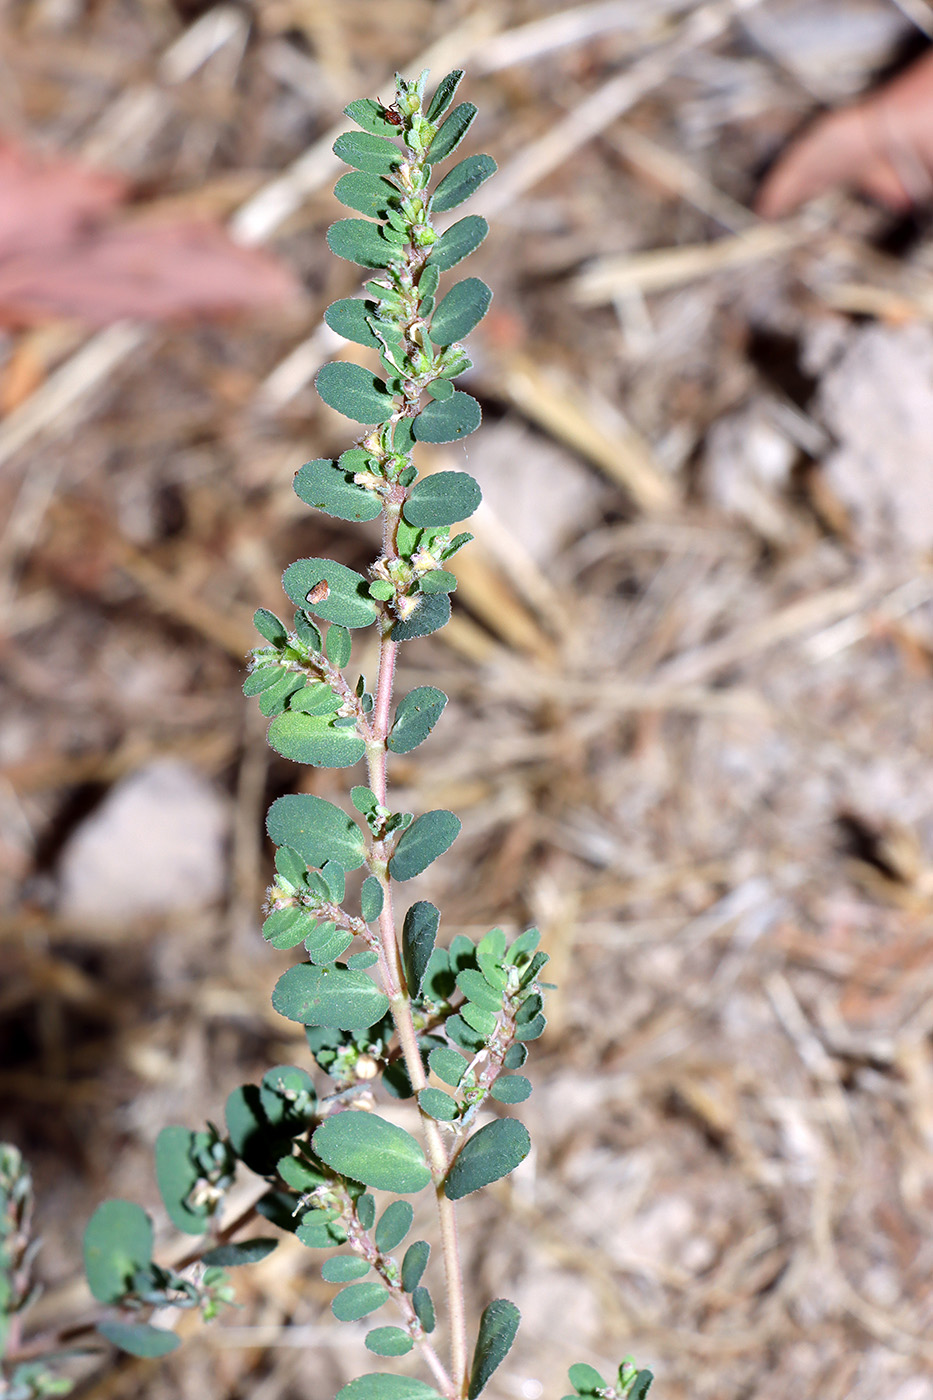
(691, 721)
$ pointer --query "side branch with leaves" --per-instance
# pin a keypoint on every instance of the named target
(446, 1027)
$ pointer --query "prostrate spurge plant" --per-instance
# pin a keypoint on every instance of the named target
(445, 1026)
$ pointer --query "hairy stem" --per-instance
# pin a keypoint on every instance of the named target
(393, 972)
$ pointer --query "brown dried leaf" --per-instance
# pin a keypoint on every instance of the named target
(882, 146)
(62, 256)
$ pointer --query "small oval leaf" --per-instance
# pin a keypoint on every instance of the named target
(138, 1338)
(231, 1256)
(419, 932)
(366, 151)
(314, 739)
(448, 420)
(383, 1385)
(369, 1149)
(394, 1225)
(367, 194)
(428, 837)
(330, 590)
(414, 1264)
(361, 242)
(493, 1152)
(355, 392)
(329, 996)
(358, 1300)
(497, 1329)
(417, 713)
(458, 242)
(324, 486)
(430, 613)
(317, 830)
(462, 182)
(452, 132)
(388, 1341)
(444, 498)
(117, 1242)
(461, 311)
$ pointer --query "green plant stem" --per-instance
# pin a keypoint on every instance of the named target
(393, 971)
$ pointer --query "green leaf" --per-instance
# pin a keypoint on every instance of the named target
(452, 132)
(361, 242)
(461, 311)
(382, 1385)
(414, 1264)
(497, 1328)
(299, 1173)
(448, 420)
(367, 113)
(138, 1338)
(329, 996)
(444, 497)
(482, 1021)
(443, 96)
(315, 740)
(369, 1149)
(261, 679)
(458, 242)
(367, 194)
(340, 594)
(493, 1152)
(462, 182)
(270, 627)
(322, 484)
(515, 1056)
(394, 1225)
(366, 1211)
(424, 1307)
(585, 1379)
(316, 699)
(337, 645)
(344, 1268)
(428, 837)
(230, 1256)
(439, 1105)
(290, 866)
(358, 1300)
(366, 151)
(388, 1341)
(440, 389)
(326, 942)
(449, 1065)
(355, 392)
(286, 928)
(320, 1229)
(419, 932)
(640, 1386)
(363, 960)
(177, 1174)
(474, 986)
(438, 581)
(117, 1243)
(316, 829)
(258, 1139)
(430, 613)
(511, 1088)
(532, 1030)
(463, 1035)
(371, 899)
(350, 318)
(417, 713)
